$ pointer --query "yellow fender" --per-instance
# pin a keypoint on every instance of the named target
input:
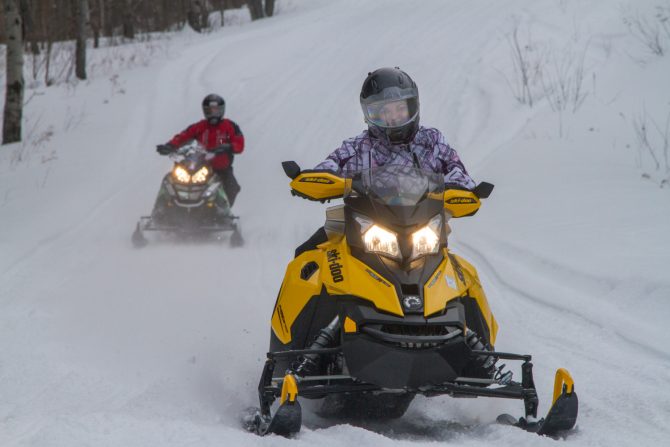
(340, 273)
(455, 277)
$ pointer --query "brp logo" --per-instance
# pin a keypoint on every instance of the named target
(412, 302)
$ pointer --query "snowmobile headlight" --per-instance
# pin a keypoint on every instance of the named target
(379, 240)
(426, 241)
(181, 175)
(201, 175)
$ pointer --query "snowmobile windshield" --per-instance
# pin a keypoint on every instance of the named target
(396, 185)
(192, 147)
(393, 107)
(192, 150)
(192, 155)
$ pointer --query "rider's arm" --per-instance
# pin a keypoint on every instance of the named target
(190, 133)
(451, 165)
(337, 159)
(236, 139)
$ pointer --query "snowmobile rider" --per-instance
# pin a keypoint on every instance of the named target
(390, 102)
(215, 133)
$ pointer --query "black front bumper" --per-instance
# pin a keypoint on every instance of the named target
(404, 360)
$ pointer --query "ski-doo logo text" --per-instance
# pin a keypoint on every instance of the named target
(334, 266)
(459, 200)
(317, 180)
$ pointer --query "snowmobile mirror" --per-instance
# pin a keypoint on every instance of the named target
(291, 169)
(483, 190)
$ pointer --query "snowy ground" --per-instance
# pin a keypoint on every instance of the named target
(104, 345)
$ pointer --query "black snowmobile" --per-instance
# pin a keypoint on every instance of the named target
(380, 310)
(191, 201)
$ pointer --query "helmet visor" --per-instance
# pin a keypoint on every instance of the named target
(391, 108)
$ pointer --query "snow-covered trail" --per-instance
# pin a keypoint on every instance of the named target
(113, 346)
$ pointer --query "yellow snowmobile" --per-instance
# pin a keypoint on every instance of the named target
(380, 310)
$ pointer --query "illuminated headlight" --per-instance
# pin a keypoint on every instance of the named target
(379, 240)
(426, 241)
(181, 175)
(201, 175)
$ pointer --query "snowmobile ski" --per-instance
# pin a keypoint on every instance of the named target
(562, 415)
(286, 421)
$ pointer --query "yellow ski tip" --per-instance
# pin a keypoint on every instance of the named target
(289, 389)
(562, 382)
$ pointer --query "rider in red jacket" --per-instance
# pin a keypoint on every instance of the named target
(214, 132)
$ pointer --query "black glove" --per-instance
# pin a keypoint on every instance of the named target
(455, 186)
(165, 149)
(225, 148)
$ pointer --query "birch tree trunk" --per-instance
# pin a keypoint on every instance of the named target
(80, 58)
(11, 125)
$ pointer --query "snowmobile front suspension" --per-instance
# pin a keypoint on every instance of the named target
(526, 390)
(288, 417)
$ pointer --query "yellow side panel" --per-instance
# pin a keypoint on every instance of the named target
(341, 273)
(319, 185)
(345, 275)
(446, 284)
(295, 293)
(460, 203)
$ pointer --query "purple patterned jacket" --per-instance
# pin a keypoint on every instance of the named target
(432, 153)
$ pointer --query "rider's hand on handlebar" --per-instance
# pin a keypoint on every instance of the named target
(165, 149)
(455, 186)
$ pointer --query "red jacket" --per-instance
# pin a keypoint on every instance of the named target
(212, 136)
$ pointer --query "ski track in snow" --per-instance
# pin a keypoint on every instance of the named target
(572, 308)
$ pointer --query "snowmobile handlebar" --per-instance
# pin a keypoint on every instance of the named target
(325, 185)
(194, 148)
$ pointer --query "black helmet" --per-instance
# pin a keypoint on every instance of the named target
(390, 103)
(213, 107)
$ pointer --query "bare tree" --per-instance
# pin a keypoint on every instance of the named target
(128, 13)
(523, 67)
(256, 9)
(269, 8)
(97, 19)
(11, 125)
(82, 20)
(29, 29)
(196, 15)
